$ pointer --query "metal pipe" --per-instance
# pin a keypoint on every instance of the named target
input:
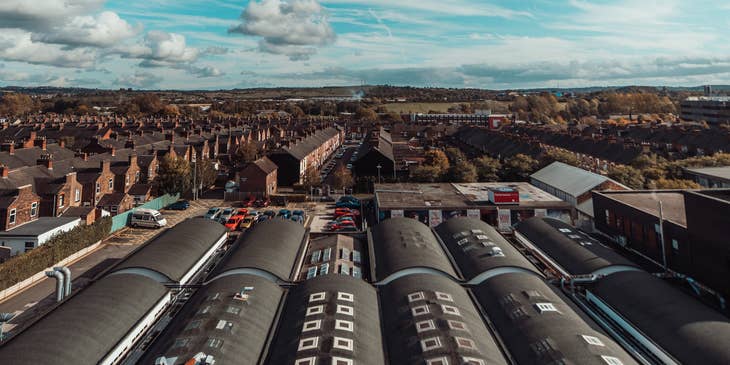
(67, 279)
(59, 283)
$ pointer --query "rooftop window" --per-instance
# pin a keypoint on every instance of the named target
(564, 230)
(467, 360)
(193, 325)
(224, 325)
(343, 325)
(312, 325)
(346, 310)
(342, 343)
(420, 310)
(215, 343)
(317, 309)
(308, 343)
(464, 343)
(448, 309)
(431, 343)
(416, 296)
(438, 361)
(347, 297)
(592, 340)
(457, 325)
(317, 297)
(424, 326)
(444, 296)
(233, 310)
(545, 307)
(341, 361)
(610, 360)
(306, 361)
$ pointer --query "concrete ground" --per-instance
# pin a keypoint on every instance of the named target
(38, 299)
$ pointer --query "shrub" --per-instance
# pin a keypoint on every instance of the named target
(56, 249)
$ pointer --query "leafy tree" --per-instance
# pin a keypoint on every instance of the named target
(311, 178)
(488, 168)
(426, 173)
(14, 104)
(206, 173)
(561, 156)
(149, 103)
(247, 152)
(439, 161)
(367, 114)
(676, 184)
(463, 171)
(519, 167)
(454, 155)
(627, 175)
(174, 176)
(343, 178)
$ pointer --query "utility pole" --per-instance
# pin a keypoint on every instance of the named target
(195, 181)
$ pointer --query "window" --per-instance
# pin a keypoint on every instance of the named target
(585, 243)
(327, 254)
(482, 237)
(11, 216)
(346, 310)
(545, 307)
(344, 269)
(111, 183)
(532, 294)
(215, 343)
(341, 361)
(317, 309)
(462, 241)
(204, 310)
(233, 310)
(564, 230)
(308, 343)
(347, 297)
(574, 236)
(517, 313)
(608, 217)
(180, 342)
(29, 245)
(444, 296)
(312, 325)
(344, 254)
(344, 325)
(317, 297)
(464, 343)
(77, 195)
(315, 256)
(98, 187)
(610, 360)
(438, 361)
(592, 340)
(126, 179)
(675, 244)
(324, 269)
(193, 325)
(416, 296)
(311, 272)
(457, 325)
(420, 310)
(61, 198)
(430, 344)
(356, 257)
(33, 209)
(343, 343)
(424, 326)
(447, 309)
(306, 361)
(224, 325)
(467, 360)
(356, 272)
(136, 177)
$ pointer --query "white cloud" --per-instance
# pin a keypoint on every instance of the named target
(441, 7)
(17, 45)
(140, 80)
(161, 49)
(103, 30)
(292, 28)
(41, 14)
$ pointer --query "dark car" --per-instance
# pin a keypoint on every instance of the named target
(349, 198)
(348, 204)
(179, 205)
(284, 213)
(260, 203)
(270, 213)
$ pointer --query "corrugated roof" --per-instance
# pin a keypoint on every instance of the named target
(569, 179)
(718, 172)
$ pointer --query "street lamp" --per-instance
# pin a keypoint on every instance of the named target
(379, 167)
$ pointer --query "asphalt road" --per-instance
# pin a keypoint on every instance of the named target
(38, 299)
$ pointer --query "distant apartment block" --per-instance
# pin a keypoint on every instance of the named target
(713, 109)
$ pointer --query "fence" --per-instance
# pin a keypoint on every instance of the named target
(120, 221)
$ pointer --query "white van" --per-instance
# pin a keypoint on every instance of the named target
(149, 218)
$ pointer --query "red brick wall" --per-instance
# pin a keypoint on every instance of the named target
(22, 206)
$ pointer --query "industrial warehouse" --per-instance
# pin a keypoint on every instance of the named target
(457, 293)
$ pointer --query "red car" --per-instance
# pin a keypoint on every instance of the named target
(242, 212)
(233, 222)
(261, 203)
(339, 212)
(249, 202)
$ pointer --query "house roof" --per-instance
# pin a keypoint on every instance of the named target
(402, 243)
(271, 246)
(265, 165)
(175, 251)
(341, 298)
(569, 179)
(477, 247)
(511, 301)
(307, 145)
(648, 202)
(38, 226)
(690, 331)
(139, 189)
(722, 173)
(71, 334)
(419, 298)
(115, 198)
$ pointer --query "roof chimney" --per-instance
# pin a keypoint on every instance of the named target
(46, 160)
(4, 171)
(9, 147)
(132, 159)
(40, 142)
(62, 143)
(113, 151)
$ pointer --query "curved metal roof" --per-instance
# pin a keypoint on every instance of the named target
(271, 246)
(175, 251)
(338, 313)
(402, 243)
(84, 329)
(576, 252)
(687, 329)
(432, 317)
(244, 333)
(477, 247)
(513, 303)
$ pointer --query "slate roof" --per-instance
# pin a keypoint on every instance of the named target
(307, 145)
(569, 179)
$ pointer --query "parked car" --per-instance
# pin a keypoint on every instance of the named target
(270, 213)
(336, 223)
(249, 202)
(346, 229)
(349, 198)
(346, 211)
(284, 213)
(261, 203)
(179, 205)
(247, 222)
(297, 218)
(149, 218)
(348, 204)
(233, 222)
(262, 217)
(299, 213)
(213, 213)
(243, 211)
(226, 214)
(254, 213)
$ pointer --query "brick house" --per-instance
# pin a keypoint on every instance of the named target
(259, 177)
(310, 151)
(18, 207)
(148, 165)
(116, 202)
(96, 182)
(126, 173)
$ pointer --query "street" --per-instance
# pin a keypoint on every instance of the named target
(38, 299)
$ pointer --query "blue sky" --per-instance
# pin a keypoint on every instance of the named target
(223, 44)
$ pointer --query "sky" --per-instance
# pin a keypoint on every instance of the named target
(488, 44)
